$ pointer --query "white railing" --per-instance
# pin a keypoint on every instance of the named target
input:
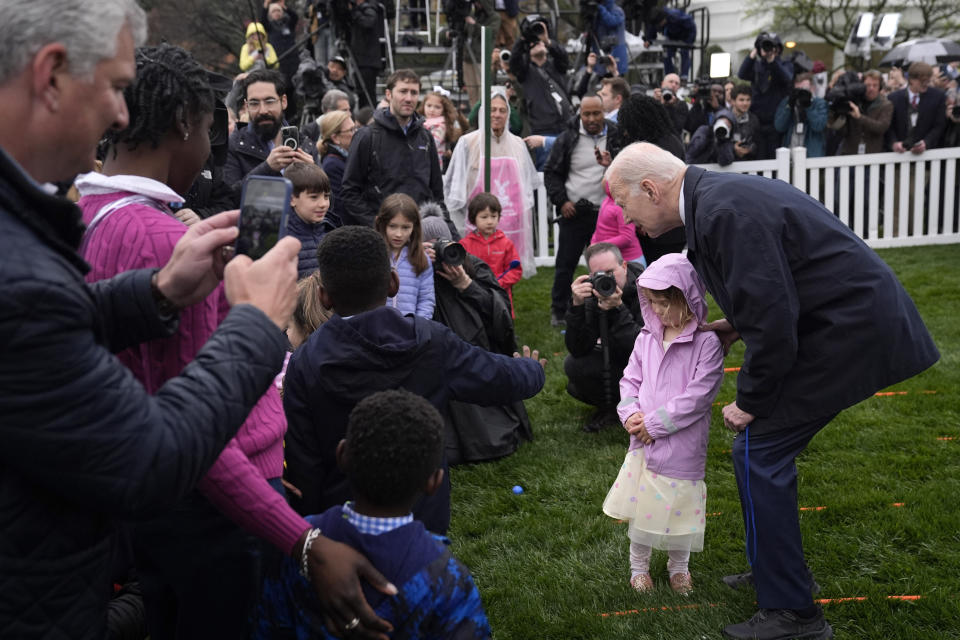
(864, 191)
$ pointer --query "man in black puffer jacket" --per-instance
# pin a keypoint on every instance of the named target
(395, 154)
(83, 443)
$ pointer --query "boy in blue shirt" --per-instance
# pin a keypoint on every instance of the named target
(436, 597)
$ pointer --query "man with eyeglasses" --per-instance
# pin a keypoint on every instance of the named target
(257, 147)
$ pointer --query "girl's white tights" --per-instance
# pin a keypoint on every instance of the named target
(679, 561)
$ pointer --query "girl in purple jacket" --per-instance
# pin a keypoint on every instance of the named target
(398, 221)
(667, 392)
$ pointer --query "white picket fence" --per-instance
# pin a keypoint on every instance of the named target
(888, 199)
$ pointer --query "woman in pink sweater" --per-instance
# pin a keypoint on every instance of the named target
(198, 569)
(612, 228)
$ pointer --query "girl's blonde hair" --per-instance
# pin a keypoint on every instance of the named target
(310, 314)
(675, 300)
(402, 204)
(329, 125)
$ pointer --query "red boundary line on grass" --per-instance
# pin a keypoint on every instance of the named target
(628, 612)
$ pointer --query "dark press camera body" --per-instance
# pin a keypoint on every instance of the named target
(449, 252)
(603, 283)
(848, 89)
(532, 27)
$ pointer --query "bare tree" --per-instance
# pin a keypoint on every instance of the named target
(832, 20)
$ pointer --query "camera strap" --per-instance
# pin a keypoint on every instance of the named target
(559, 98)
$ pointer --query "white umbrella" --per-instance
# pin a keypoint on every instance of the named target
(931, 50)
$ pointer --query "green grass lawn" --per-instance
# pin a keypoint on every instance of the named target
(550, 564)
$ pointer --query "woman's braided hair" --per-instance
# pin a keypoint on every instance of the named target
(170, 87)
(643, 119)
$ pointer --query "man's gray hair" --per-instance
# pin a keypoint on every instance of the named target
(87, 28)
(642, 161)
(331, 98)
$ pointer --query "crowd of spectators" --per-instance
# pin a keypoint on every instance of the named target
(381, 186)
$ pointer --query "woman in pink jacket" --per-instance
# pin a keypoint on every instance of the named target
(667, 392)
(612, 228)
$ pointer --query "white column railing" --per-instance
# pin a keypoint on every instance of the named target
(888, 199)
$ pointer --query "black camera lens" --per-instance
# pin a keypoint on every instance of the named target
(449, 252)
(603, 283)
(955, 111)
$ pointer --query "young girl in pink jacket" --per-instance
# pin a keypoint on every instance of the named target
(667, 392)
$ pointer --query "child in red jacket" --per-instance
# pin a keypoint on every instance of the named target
(492, 245)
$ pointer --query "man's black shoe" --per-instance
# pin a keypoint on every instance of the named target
(740, 581)
(556, 319)
(780, 624)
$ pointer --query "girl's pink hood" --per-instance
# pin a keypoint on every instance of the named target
(671, 270)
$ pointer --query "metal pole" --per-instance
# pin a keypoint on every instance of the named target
(486, 53)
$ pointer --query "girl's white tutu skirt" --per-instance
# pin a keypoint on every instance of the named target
(662, 513)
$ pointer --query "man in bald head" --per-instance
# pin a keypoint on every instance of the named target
(573, 177)
(677, 108)
(815, 344)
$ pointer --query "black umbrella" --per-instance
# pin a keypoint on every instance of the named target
(930, 50)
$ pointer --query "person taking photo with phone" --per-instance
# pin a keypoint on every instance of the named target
(259, 147)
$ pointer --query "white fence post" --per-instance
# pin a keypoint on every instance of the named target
(799, 166)
(783, 164)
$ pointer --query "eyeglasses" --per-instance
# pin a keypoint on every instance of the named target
(344, 132)
(255, 104)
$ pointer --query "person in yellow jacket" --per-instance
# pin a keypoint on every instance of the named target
(252, 52)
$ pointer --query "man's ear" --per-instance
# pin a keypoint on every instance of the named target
(283, 102)
(433, 482)
(651, 188)
(342, 456)
(394, 284)
(325, 298)
(50, 67)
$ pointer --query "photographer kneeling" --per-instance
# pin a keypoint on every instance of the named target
(603, 322)
(471, 303)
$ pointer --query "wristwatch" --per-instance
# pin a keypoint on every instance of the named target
(166, 309)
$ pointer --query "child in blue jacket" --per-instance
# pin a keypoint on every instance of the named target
(399, 223)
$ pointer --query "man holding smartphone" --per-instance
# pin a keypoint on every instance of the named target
(259, 147)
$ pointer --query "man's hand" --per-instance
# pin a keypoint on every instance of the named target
(854, 110)
(580, 290)
(725, 331)
(428, 249)
(300, 155)
(736, 419)
(196, 265)
(335, 571)
(188, 217)
(269, 284)
(753, 53)
(636, 427)
(612, 301)
(534, 355)
(455, 276)
(919, 147)
(658, 94)
(534, 141)
(603, 157)
(281, 156)
(568, 210)
(898, 147)
(740, 149)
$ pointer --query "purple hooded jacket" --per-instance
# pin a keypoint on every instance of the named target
(674, 389)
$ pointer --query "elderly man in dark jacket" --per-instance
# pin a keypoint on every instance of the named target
(395, 154)
(825, 322)
(83, 444)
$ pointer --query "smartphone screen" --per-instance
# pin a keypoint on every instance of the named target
(264, 208)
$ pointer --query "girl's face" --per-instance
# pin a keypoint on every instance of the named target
(399, 230)
(295, 335)
(670, 316)
(433, 107)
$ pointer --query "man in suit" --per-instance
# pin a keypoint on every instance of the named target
(815, 344)
(919, 113)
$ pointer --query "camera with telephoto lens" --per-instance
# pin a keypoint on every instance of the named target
(802, 98)
(667, 95)
(847, 89)
(765, 42)
(607, 43)
(603, 283)
(449, 252)
(721, 130)
(532, 27)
